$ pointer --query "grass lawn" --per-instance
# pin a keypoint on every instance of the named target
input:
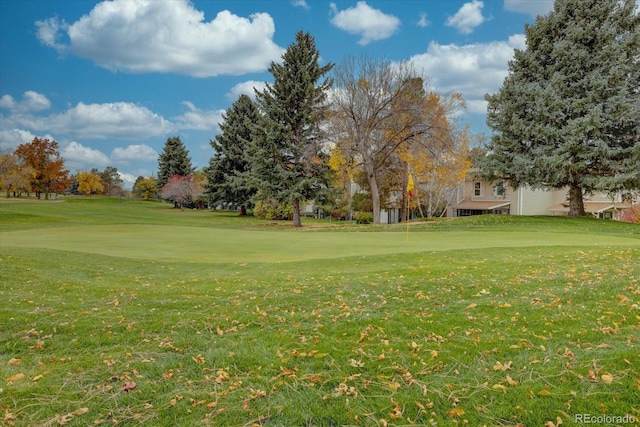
(119, 312)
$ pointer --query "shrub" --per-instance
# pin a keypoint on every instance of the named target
(271, 209)
(364, 218)
(631, 215)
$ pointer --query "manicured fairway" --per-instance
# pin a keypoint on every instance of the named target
(191, 244)
(127, 313)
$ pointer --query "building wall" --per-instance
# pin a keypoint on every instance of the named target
(536, 202)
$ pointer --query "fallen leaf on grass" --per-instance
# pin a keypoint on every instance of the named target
(14, 361)
(499, 366)
(397, 412)
(499, 387)
(315, 379)
(128, 386)
(455, 412)
(552, 424)
(606, 378)
(9, 418)
(14, 378)
(62, 420)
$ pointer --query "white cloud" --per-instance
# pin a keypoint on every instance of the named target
(134, 152)
(477, 106)
(301, 3)
(245, 88)
(109, 120)
(87, 121)
(31, 101)
(468, 17)
(48, 32)
(198, 119)
(423, 22)
(531, 7)
(472, 70)
(167, 37)
(371, 24)
(129, 179)
(77, 157)
(11, 138)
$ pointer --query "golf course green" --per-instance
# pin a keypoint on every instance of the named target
(121, 312)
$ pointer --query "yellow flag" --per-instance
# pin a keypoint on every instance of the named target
(410, 187)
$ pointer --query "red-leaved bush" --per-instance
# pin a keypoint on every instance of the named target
(631, 215)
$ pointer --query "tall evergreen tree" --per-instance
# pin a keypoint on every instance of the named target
(226, 175)
(111, 181)
(288, 162)
(567, 113)
(174, 160)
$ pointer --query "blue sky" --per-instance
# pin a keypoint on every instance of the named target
(112, 80)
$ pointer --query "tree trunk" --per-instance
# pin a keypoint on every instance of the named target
(296, 214)
(243, 211)
(373, 188)
(576, 203)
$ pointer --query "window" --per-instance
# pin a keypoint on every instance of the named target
(499, 189)
(477, 189)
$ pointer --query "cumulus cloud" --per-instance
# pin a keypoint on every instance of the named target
(134, 152)
(245, 88)
(110, 120)
(11, 138)
(371, 24)
(77, 156)
(166, 37)
(31, 102)
(472, 70)
(197, 119)
(468, 17)
(533, 8)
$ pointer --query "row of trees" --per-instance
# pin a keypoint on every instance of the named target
(567, 116)
(106, 182)
(34, 167)
(37, 167)
(307, 136)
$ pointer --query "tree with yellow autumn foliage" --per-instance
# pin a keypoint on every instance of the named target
(89, 183)
(386, 120)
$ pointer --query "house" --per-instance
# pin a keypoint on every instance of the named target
(478, 197)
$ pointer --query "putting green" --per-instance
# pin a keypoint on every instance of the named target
(198, 244)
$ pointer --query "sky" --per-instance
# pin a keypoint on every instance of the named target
(110, 81)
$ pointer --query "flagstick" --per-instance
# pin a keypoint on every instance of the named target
(407, 215)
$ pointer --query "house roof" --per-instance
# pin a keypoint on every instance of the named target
(485, 206)
(591, 207)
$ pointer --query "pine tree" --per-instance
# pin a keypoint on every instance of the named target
(174, 160)
(288, 162)
(226, 174)
(567, 113)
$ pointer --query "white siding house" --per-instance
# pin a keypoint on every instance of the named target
(477, 197)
